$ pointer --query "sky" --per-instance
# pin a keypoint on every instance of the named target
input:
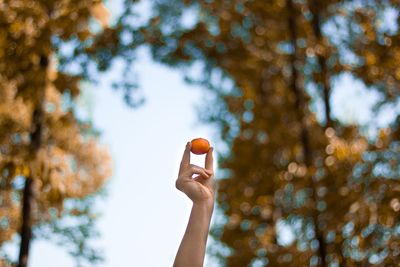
(144, 216)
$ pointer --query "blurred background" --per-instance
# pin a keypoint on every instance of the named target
(299, 98)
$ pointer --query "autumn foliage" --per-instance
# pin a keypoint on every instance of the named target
(51, 163)
(298, 186)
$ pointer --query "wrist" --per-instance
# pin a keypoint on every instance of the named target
(207, 204)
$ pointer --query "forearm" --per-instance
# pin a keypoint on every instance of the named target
(193, 246)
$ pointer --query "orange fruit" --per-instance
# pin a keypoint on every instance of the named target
(200, 146)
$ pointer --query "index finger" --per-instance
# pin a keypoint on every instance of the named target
(185, 158)
(210, 160)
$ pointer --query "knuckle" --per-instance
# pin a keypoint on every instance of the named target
(193, 168)
(178, 185)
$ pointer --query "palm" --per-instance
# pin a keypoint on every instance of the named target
(198, 188)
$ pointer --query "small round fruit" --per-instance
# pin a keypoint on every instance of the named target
(200, 146)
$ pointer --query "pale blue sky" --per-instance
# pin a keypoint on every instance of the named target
(144, 216)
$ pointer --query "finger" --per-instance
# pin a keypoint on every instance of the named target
(185, 158)
(200, 179)
(210, 160)
(211, 183)
(209, 165)
(193, 169)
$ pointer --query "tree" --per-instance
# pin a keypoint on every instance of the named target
(51, 164)
(329, 186)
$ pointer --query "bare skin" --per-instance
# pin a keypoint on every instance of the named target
(200, 190)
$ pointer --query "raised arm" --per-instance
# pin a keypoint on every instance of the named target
(200, 190)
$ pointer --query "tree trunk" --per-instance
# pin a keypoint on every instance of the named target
(305, 140)
(28, 196)
(26, 229)
(326, 86)
(325, 76)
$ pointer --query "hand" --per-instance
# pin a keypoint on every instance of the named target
(201, 188)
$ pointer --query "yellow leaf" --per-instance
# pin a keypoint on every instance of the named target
(101, 14)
